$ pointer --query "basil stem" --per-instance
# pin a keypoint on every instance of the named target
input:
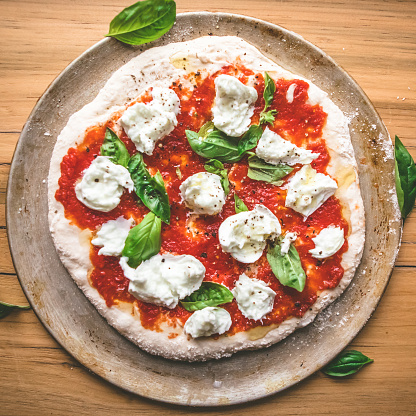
(286, 267)
(143, 21)
(7, 308)
(240, 206)
(259, 170)
(216, 167)
(143, 241)
(268, 94)
(115, 149)
(209, 294)
(151, 190)
(405, 178)
(347, 363)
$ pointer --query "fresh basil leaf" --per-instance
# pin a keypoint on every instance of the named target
(268, 116)
(143, 22)
(143, 241)
(250, 139)
(347, 363)
(259, 170)
(115, 149)
(216, 167)
(240, 206)
(287, 267)
(151, 190)
(212, 143)
(405, 178)
(7, 308)
(209, 294)
(269, 90)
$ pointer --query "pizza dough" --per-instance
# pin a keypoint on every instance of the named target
(159, 67)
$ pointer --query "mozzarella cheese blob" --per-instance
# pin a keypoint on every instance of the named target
(145, 124)
(289, 93)
(308, 190)
(327, 242)
(244, 235)
(234, 105)
(164, 279)
(203, 193)
(287, 240)
(112, 236)
(102, 184)
(254, 298)
(207, 321)
(275, 150)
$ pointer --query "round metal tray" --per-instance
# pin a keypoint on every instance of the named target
(80, 329)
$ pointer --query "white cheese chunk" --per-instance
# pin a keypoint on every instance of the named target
(208, 321)
(244, 235)
(275, 150)
(102, 184)
(308, 190)
(254, 298)
(145, 124)
(203, 193)
(234, 105)
(112, 236)
(164, 279)
(287, 240)
(327, 242)
(289, 93)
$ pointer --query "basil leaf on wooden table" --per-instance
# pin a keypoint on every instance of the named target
(240, 206)
(143, 241)
(405, 178)
(150, 189)
(115, 149)
(143, 22)
(347, 363)
(259, 170)
(268, 94)
(212, 143)
(250, 138)
(216, 167)
(7, 308)
(286, 267)
(209, 294)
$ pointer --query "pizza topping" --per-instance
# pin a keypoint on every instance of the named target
(327, 242)
(308, 190)
(259, 170)
(240, 206)
(254, 298)
(290, 93)
(268, 94)
(275, 150)
(244, 235)
(164, 279)
(102, 184)
(112, 236)
(115, 149)
(208, 321)
(234, 105)
(209, 294)
(145, 124)
(215, 166)
(287, 240)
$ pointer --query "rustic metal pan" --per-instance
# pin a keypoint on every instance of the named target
(75, 323)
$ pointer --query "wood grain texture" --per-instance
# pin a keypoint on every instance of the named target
(375, 41)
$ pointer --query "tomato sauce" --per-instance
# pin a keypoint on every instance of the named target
(298, 121)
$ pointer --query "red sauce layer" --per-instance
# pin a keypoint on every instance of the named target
(299, 122)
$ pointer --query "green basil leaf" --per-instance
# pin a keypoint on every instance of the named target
(216, 167)
(259, 170)
(151, 190)
(287, 268)
(269, 90)
(240, 206)
(405, 178)
(250, 138)
(143, 21)
(209, 294)
(7, 308)
(212, 143)
(268, 116)
(347, 363)
(115, 149)
(143, 241)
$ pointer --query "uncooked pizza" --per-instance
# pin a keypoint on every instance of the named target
(207, 200)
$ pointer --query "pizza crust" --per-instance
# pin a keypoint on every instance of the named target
(157, 67)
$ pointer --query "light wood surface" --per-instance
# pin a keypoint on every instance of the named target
(375, 41)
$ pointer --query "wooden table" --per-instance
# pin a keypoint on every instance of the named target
(375, 41)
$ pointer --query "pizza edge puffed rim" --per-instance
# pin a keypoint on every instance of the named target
(157, 69)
